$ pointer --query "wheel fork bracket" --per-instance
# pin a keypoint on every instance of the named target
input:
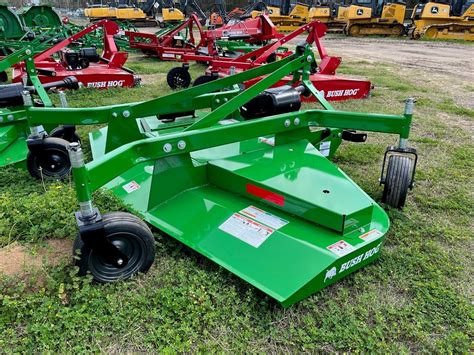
(92, 233)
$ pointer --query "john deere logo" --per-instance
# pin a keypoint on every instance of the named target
(360, 12)
(434, 10)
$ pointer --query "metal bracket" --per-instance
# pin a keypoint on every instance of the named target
(93, 235)
(35, 143)
(400, 151)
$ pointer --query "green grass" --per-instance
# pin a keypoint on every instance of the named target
(416, 298)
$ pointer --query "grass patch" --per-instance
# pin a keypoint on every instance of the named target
(416, 298)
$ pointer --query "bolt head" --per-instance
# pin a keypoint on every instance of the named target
(181, 145)
(296, 121)
(119, 262)
(114, 114)
(126, 113)
(10, 117)
(287, 123)
(309, 59)
(167, 148)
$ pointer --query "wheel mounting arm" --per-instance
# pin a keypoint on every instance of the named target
(92, 233)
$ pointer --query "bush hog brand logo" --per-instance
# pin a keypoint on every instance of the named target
(106, 84)
(351, 263)
(340, 93)
(330, 273)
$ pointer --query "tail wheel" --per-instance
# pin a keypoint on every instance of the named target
(203, 79)
(68, 135)
(353, 30)
(127, 233)
(397, 180)
(178, 78)
(50, 161)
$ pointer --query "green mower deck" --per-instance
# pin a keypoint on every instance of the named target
(242, 177)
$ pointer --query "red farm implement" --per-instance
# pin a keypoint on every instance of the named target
(324, 78)
(179, 41)
(94, 70)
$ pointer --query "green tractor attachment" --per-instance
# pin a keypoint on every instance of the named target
(242, 177)
(14, 100)
(10, 24)
(40, 16)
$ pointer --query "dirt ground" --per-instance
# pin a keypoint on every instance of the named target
(20, 260)
(448, 65)
(448, 58)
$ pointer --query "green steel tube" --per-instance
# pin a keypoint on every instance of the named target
(112, 164)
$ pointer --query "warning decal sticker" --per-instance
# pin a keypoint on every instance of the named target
(325, 148)
(131, 186)
(264, 217)
(269, 141)
(341, 248)
(371, 235)
(246, 230)
(228, 121)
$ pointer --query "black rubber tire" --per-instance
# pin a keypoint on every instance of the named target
(131, 235)
(53, 163)
(203, 79)
(397, 180)
(3, 77)
(178, 78)
(60, 132)
(271, 58)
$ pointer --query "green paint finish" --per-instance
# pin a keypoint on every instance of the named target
(40, 16)
(10, 24)
(292, 263)
(307, 185)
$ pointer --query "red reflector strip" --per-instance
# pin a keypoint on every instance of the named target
(266, 195)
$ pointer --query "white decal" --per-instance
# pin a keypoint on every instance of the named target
(341, 93)
(325, 148)
(131, 186)
(330, 273)
(264, 217)
(246, 230)
(351, 263)
(269, 141)
(341, 248)
(228, 121)
(106, 84)
(371, 235)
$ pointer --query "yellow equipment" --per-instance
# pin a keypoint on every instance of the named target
(328, 14)
(170, 15)
(100, 12)
(372, 17)
(141, 15)
(285, 15)
(443, 20)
